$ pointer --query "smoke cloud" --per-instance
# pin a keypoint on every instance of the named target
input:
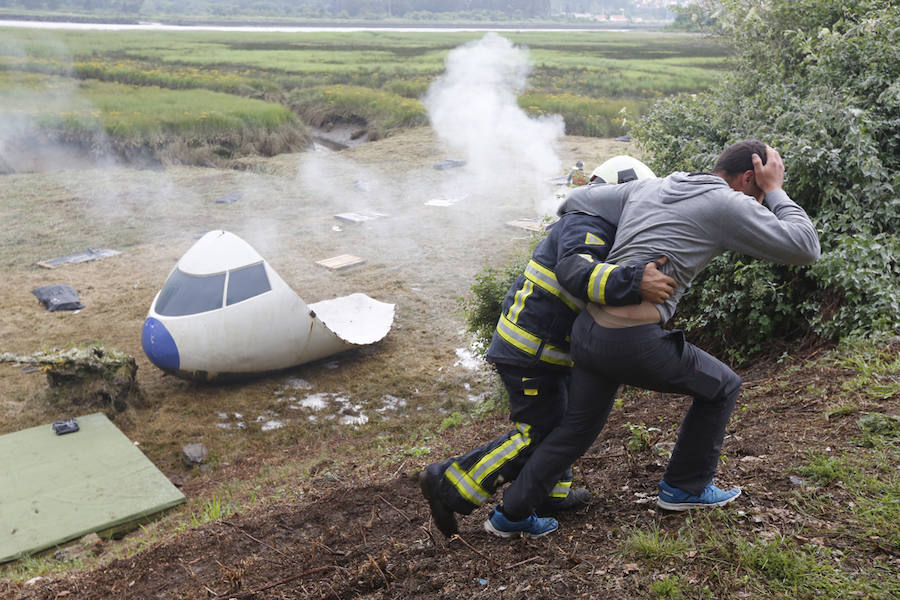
(473, 108)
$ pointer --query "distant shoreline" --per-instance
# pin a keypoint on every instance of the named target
(328, 23)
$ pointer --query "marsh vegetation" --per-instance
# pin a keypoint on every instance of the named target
(214, 97)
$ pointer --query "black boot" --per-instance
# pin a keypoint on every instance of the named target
(577, 498)
(443, 517)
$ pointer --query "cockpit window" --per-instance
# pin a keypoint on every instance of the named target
(247, 282)
(185, 294)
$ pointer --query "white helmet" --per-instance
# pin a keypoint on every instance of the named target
(620, 169)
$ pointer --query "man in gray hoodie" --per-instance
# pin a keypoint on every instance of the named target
(689, 218)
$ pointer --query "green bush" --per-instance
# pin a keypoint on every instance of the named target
(820, 81)
(482, 306)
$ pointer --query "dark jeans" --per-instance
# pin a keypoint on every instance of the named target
(649, 357)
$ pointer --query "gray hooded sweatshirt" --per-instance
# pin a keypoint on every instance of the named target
(692, 218)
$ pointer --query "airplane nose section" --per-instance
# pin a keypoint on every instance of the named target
(159, 346)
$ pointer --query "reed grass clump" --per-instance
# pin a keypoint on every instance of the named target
(146, 123)
(593, 117)
(382, 111)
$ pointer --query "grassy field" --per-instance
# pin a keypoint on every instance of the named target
(369, 77)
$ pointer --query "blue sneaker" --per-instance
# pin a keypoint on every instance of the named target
(532, 527)
(672, 498)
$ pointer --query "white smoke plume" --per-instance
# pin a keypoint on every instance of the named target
(473, 109)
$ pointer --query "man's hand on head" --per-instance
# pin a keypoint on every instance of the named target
(770, 176)
(656, 286)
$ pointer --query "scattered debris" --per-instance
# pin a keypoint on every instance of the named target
(92, 376)
(230, 198)
(444, 202)
(65, 426)
(799, 482)
(79, 257)
(340, 262)
(526, 224)
(58, 297)
(468, 360)
(359, 217)
(194, 455)
(449, 163)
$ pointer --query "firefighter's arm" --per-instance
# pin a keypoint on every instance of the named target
(591, 279)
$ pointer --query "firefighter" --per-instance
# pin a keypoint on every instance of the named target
(530, 351)
(576, 175)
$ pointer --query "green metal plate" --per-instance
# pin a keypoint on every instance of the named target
(55, 488)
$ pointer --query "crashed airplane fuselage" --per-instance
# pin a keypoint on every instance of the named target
(224, 311)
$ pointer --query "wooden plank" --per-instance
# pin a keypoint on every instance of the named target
(526, 224)
(340, 262)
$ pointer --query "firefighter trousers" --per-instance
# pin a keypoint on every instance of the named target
(537, 399)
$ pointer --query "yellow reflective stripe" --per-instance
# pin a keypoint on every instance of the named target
(597, 282)
(545, 279)
(561, 489)
(519, 302)
(555, 356)
(531, 344)
(464, 484)
(501, 455)
(518, 337)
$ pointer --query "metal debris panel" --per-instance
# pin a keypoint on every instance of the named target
(359, 216)
(342, 261)
(56, 488)
(78, 257)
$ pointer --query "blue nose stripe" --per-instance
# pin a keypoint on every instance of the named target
(159, 346)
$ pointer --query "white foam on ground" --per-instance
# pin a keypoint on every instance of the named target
(468, 360)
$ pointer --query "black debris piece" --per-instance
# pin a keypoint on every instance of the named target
(66, 426)
(58, 297)
(230, 198)
(450, 163)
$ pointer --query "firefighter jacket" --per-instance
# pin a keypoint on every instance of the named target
(537, 312)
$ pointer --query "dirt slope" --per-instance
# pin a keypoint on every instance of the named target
(363, 534)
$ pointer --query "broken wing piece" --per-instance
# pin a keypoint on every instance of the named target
(224, 311)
